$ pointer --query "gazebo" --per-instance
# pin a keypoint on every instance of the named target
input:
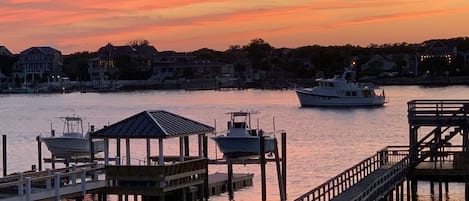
(161, 175)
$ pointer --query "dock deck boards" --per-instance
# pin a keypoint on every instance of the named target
(359, 187)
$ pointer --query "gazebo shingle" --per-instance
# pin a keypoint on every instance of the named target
(153, 124)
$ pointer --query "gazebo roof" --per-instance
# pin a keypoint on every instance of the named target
(153, 124)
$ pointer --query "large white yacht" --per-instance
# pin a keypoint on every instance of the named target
(340, 91)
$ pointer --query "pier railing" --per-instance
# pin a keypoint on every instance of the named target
(52, 183)
(393, 157)
(437, 111)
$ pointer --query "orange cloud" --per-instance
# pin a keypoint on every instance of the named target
(190, 24)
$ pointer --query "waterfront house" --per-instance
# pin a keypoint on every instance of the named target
(379, 62)
(38, 64)
(438, 49)
(4, 51)
(175, 66)
(105, 67)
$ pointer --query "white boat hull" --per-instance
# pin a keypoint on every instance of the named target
(309, 99)
(64, 147)
(242, 146)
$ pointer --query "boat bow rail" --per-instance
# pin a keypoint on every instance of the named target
(388, 164)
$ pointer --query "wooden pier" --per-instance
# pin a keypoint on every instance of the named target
(431, 156)
(161, 177)
(77, 181)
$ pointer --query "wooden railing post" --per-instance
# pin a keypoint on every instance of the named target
(57, 186)
(48, 180)
(73, 177)
(83, 181)
(20, 183)
(28, 188)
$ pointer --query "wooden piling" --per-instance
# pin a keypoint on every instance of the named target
(91, 144)
(39, 153)
(4, 143)
(205, 147)
(284, 161)
(279, 174)
(262, 155)
(230, 179)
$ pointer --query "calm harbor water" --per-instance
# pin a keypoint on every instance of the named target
(321, 142)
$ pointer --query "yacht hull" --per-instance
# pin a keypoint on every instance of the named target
(242, 146)
(64, 147)
(309, 99)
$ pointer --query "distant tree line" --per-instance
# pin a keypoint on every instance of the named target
(277, 63)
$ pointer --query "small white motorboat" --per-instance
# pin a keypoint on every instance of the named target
(340, 91)
(73, 142)
(241, 140)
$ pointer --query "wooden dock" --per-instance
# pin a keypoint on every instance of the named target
(431, 156)
(76, 182)
(218, 182)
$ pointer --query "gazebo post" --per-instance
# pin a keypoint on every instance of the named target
(181, 148)
(186, 146)
(201, 153)
(160, 152)
(118, 147)
(148, 152)
(106, 151)
(127, 150)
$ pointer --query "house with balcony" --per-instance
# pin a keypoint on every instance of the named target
(183, 67)
(379, 62)
(38, 64)
(438, 49)
(105, 67)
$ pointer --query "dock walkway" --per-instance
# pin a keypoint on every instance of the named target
(432, 156)
(41, 185)
(361, 186)
(367, 180)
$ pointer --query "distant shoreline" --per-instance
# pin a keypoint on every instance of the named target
(423, 81)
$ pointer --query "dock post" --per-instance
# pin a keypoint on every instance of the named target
(39, 153)
(4, 146)
(466, 189)
(279, 174)
(230, 179)
(262, 155)
(91, 144)
(284, 162)
(206, 189)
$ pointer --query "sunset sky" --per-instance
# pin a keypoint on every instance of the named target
(187, 25)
